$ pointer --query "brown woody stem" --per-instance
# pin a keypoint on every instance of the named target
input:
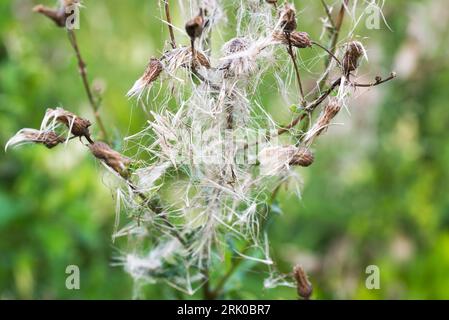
(169, 23)
(83, 73)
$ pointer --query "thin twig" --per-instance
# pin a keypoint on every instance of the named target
(83, 73)
(169, 23)
(328, 51)
(328, 13)
(312, 106)
(333, 41)
(293, 57)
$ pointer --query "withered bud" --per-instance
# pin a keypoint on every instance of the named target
(322, 123)
(110, 157)
(288, 18)
(78, 126)
(48, 138)
(59, 15)
(303, 285)
(302, 157)
(354, 52)
(236, 45)
(194, 27)
(201, 59)
(298, 39)
(152, 71)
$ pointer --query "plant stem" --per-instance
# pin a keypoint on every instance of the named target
(333, 41)
(331, 50)
(293, 57)
(87, 88)
(312, 106)
(169, 23)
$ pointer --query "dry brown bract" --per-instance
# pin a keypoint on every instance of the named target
(352, 56)
(110, 157)
(288, 18)
(303, 285)
(302, 157)
(298, 39)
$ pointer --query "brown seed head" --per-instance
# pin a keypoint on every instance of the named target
(352, 56)
(49, 139)
(298, 39)
(322, 123)
(194, 27)
(302, 157)
(110, 157)
(303, 285)
(152, 71)
(201, 59)
(288, 18)
(235, 45)
(273, 2)
(58, 15)
(78, 126)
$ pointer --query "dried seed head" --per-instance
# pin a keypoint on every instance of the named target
(297, 39)
(152, 72)
(238, 64)
(354, 52)
(194, 27)
(274, 2)
(78, 126)
(235, 45)
(303, 285)
(110, 157)
(201, 59)
(275, 160)
(322, 123)
(48, 138)
(288, 18)
(303, 157)
(58, 16)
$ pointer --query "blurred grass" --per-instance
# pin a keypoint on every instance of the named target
(375, 195)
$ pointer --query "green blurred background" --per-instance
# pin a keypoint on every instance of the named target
(376, 195)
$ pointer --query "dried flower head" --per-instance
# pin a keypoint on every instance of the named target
(351, 59)
(288, 18)
(303, 285)
(322, 123)
(152, 72)
(201, 59)
(59, 15)
(273, 2)
(277, 159)
(78, 126)
(303, 158)
(297, 39)
(48, 138)
(194, 27)
(237, 61)
(110, 157)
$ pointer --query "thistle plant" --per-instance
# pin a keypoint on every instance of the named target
(194, 199)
